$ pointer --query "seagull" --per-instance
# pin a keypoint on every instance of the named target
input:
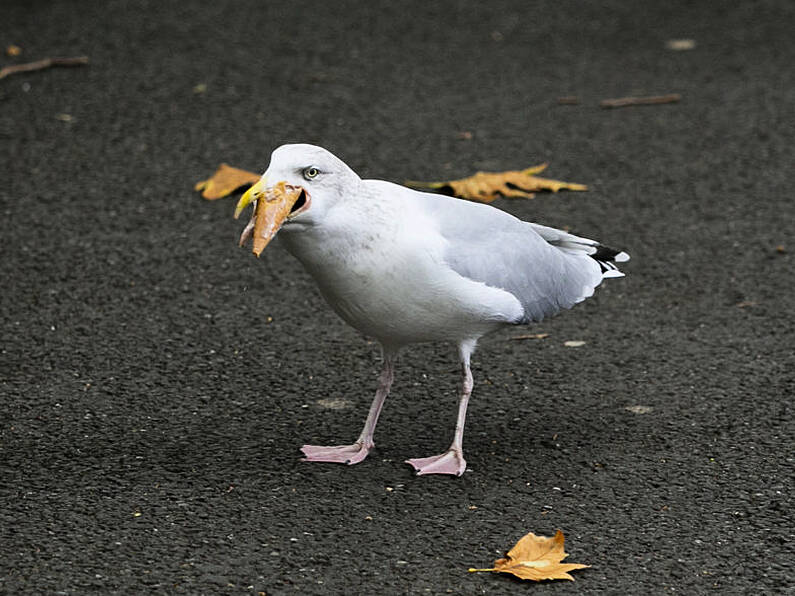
(405, 267)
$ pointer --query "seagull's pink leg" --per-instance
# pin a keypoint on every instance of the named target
(353, 454)
(452, 461)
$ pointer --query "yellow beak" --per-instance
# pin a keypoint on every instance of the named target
(273, 206)
(252, 194)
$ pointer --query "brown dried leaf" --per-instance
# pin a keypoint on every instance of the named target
(225, 181)
(537, 558)
(485, 187)
(270, 212)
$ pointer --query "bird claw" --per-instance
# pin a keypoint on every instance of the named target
(337, 454)
(450, 462)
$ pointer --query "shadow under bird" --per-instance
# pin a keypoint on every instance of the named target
(404, 267)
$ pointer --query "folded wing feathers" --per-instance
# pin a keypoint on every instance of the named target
(569, 243)
(547, 269)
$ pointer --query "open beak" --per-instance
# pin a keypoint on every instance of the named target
(252, 194)
(273, 205)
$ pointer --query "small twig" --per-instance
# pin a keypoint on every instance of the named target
(530, 336)
(42, 64)
(622, 102)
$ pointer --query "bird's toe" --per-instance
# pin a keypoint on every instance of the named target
(337, 454)
(450, 462)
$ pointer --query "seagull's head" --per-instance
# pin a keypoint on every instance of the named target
(302, 183)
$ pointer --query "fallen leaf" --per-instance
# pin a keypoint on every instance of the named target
(537, 558)
(269, 213)
(780, 249)
(623, 102)
(225, 181)
(531, 336)
(568, 100)
(574, 343)
(13, 50)
(485, 187)
(200, 88)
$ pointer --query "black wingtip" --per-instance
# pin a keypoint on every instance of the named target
(607, 257)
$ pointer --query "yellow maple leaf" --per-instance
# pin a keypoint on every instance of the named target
(536, 558)
(485, 187)
(225, 181)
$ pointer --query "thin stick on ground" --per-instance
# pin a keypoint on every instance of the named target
(623, 102)
(530, 336)
(41, 65)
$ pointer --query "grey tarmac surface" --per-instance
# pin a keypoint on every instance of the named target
(156, 381)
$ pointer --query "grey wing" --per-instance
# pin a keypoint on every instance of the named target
(493, 247)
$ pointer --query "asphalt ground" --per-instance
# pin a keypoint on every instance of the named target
(157, 381)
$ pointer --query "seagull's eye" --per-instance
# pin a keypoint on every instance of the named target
(310, 173)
